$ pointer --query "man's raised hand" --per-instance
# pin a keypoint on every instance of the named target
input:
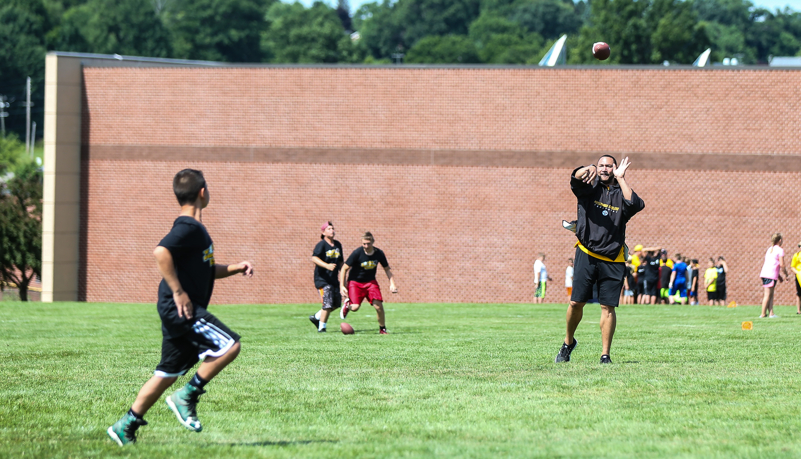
(620, 172)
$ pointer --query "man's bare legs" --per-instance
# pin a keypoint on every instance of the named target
(575, 311)
(608, 323)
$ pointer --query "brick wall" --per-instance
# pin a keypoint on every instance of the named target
(462, 174)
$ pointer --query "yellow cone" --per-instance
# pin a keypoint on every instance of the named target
(748, 325)
(733, 304)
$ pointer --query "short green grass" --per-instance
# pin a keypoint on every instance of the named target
(467, 381)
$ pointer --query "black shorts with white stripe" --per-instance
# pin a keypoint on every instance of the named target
(208, 337)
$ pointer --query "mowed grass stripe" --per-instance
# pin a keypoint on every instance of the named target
(458, 380)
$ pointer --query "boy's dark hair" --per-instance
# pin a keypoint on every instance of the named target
(187, 184)
(695, 261)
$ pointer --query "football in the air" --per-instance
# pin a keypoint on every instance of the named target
(346, 328)
(601, 51)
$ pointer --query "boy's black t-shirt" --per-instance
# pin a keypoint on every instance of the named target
(363, 266)
(720, 282)
(193, 256)
(329, 254)
(651, 269)
(694, 277)
(665, 276)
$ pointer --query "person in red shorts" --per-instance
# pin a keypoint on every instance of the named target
(362, 265)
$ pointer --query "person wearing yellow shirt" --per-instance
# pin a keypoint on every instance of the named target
(710, 282)
(795, 267)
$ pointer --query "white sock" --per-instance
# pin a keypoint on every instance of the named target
(322, 326)
(317, 316)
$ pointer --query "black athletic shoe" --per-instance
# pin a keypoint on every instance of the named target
(315, 321)
(606, 359)
(564, 352)
(321, 331)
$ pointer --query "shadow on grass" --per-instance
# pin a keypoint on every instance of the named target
(278, 443)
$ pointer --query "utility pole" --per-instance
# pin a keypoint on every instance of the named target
(28, 114)
(33, 137)
(3, 113)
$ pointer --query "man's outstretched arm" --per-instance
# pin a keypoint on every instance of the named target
(221, 271)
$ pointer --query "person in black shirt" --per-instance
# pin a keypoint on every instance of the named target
(720, 282)
(605, 204)
(362, 265)
(327, 258)
(185, 259)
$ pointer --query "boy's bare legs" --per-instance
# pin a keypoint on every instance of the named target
(150, 393)
(213, 365)
(155, 387)
(379, 308)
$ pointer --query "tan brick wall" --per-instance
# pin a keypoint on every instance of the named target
(453, 232)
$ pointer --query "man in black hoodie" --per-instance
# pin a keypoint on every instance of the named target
(605, 205)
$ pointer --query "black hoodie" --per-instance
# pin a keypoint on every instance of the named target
(602, 215)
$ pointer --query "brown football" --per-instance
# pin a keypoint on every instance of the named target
(346, 328)
(601, 51)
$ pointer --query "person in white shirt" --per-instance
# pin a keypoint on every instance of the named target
(540, 278)
(569, 277)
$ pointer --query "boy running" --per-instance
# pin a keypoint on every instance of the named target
(185, 259)
(362, 283)
(327, 257)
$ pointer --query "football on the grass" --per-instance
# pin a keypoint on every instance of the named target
(346, 328)
(601, 51)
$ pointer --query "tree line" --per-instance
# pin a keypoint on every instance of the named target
(414, 31)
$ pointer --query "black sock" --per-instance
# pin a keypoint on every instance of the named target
(135, 414)
(382, 328)
(197, 381)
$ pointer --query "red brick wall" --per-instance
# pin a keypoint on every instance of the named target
(454, 231)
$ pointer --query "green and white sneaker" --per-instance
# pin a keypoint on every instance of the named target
(124, 430)
(182, 402)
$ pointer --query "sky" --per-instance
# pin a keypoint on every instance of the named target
(769, 4)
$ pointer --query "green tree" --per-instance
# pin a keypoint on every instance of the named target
(642, 32)
(447, 49)
(21, 228)
(548, 18)
(774, 34)
(501, 41)
(391, 27)
(12, 153)
(130, 27)
(677, 35)
(218, 30)
(305, 35)
(22, 54)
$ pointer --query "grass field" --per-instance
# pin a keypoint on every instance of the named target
(449, 381)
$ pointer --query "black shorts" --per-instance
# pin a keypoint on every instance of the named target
(797, 286)
(331, 297)
(207, 337)
(589, 271)
(711, 296)
(721, 293)
(649, 288)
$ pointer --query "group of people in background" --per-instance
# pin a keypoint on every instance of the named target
(652, 277)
